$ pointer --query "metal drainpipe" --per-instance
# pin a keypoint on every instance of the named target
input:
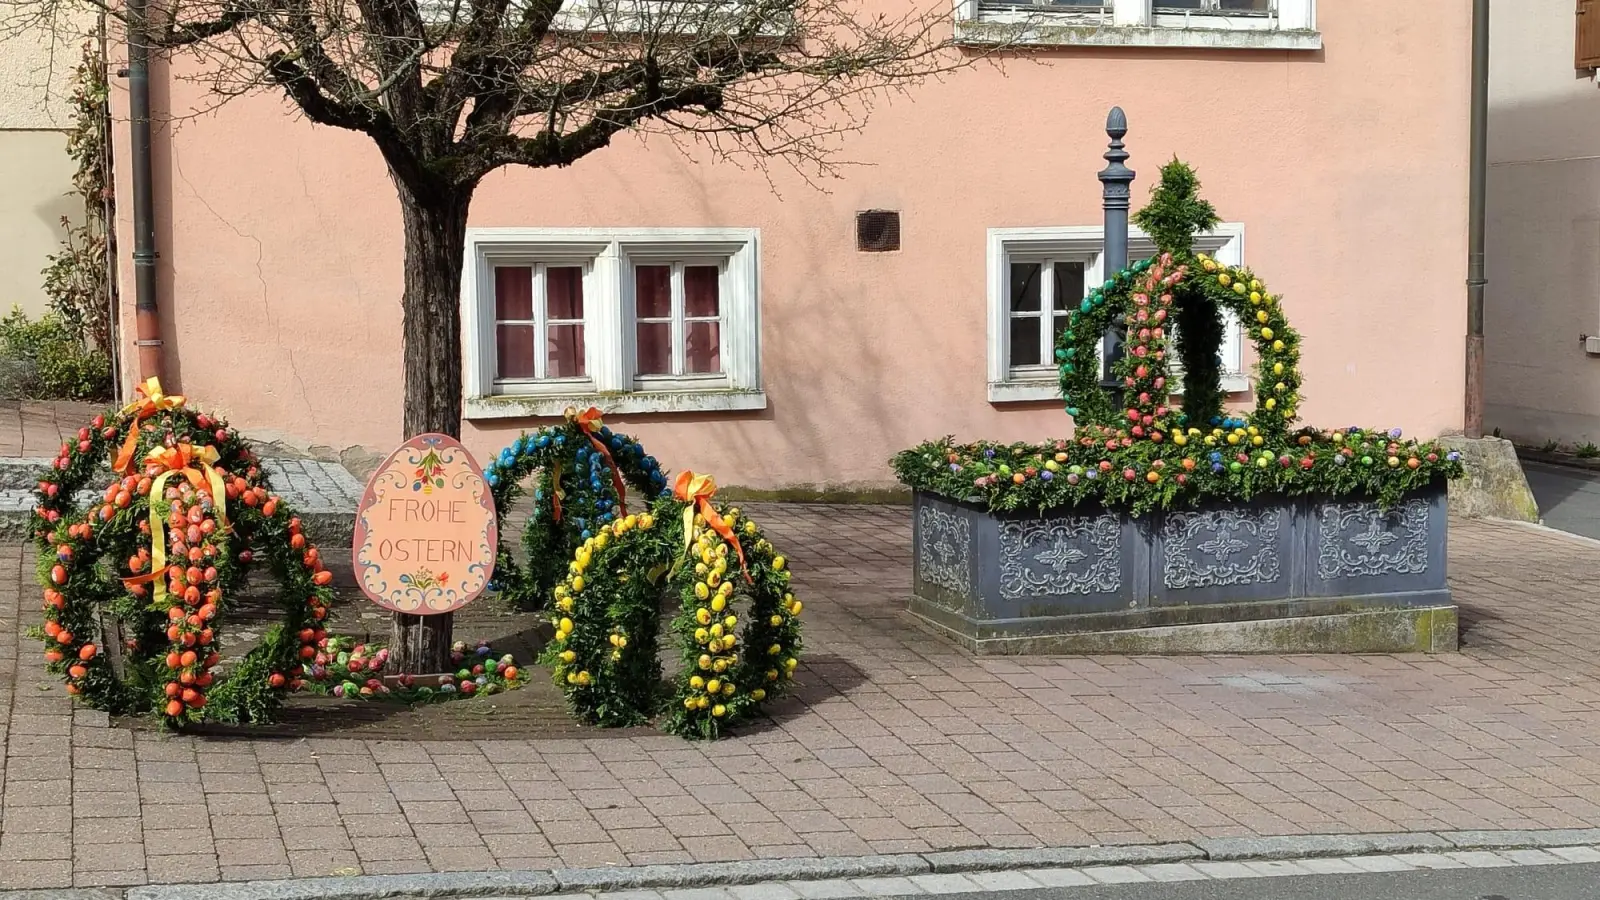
(1478, 165)
(147, 318)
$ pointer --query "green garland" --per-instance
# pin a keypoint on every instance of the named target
(1188, 290)
(1228, 464)
(739, 636)
(1172, 218)
(1143, 454)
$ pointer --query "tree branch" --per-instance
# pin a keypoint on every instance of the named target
(551, 148)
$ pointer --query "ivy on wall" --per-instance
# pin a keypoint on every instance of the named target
(78, 278)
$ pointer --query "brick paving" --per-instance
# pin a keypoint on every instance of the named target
(898, 742)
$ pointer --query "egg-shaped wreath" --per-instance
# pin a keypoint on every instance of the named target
(738, 625)
(1174, 302)
(583, 471)
(136, 585)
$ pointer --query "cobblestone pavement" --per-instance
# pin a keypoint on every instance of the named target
(899, 743)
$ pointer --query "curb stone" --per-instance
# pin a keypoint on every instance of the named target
(1061, 857)
(1324, 845)
(1521, 840)
(752, 871)
(583, 883)
(58, 894)
(361, 887)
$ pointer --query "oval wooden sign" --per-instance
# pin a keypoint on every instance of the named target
(426, 533)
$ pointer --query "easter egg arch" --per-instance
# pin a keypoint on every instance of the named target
(153, 563)
(737, 627)
(1173, 302)
(583, 470)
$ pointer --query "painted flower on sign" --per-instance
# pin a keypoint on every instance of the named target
(423, 579)
(430, 473)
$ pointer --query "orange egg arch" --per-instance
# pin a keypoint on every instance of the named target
(150, 566)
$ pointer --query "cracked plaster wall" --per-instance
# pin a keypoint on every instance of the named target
(281, 242)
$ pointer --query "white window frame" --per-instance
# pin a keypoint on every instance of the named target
(541, 322)
(1086, 242)
(608, 256)
(678, 319)
(1291, 25)
(1048, 257)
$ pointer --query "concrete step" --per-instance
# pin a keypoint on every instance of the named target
(324, 494)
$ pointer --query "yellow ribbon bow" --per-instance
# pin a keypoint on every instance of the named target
(180, 461)
(149, 402)
(696, 491)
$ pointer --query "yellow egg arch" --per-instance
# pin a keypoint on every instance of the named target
(737, 626)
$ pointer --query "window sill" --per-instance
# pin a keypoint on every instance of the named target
(987, 34)
(1041, 391)
(528, 406)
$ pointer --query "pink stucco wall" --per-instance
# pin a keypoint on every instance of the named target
(281, 244)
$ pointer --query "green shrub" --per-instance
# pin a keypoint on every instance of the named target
(47, 362)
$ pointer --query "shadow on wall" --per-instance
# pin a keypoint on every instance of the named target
(1543, 260)
(170, 261)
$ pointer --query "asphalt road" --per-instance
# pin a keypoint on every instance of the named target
(1569, 499)
(1564, 882)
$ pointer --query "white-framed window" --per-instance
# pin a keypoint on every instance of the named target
(1233, 24)
(677, 314)
(538, 322)
(1037, 275)
(630, 320)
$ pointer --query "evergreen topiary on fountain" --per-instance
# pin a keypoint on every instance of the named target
(1162, 513)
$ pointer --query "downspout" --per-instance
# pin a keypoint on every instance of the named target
(108, 218)
(147, 318)
(1477, 189)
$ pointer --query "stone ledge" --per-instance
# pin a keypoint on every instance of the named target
(533, 406)
(1046, 34)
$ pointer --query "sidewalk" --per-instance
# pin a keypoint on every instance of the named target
(897, 743)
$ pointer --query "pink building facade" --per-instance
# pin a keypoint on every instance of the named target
(729, 318)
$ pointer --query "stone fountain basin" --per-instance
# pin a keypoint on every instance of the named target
(1274, 575)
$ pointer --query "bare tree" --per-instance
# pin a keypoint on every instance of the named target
(451, 90)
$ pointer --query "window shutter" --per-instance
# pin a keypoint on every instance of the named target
(1588, 39)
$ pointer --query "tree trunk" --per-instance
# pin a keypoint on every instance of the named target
(436, 236)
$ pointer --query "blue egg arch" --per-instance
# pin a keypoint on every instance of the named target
(574, 496)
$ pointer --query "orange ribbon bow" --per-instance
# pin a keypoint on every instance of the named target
(149, 402)
(179, 460)
(589, 423)
(697, 491)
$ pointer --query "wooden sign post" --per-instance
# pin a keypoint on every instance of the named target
(426, 534)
